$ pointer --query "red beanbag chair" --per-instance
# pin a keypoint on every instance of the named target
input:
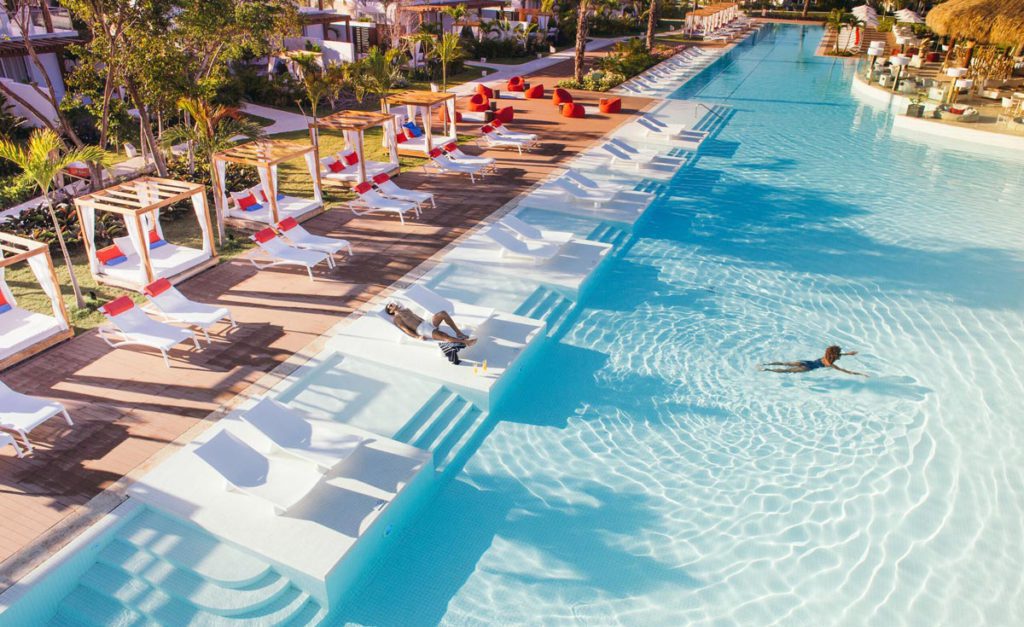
(478, 103)
(505, 114)
(484, 91)
(535, 91)
(559, 97)
(573, 110)
(516, 83)
(610, 105)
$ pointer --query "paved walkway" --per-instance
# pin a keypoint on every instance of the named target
(128, 407)
(284, 121)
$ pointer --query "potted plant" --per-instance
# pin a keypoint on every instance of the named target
(916, 107)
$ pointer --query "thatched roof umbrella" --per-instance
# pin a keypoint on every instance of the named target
(998, 22)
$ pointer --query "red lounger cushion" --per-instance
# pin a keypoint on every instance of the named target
(336, 166)
(535, 91)
(265, 235)
(611, 105)
(449, 147)
(559, 97)
(505, 114)
(484, 90)
(516, 83)
(111, 255)
(573, 110)
(478, 103)
(381, 178)
(435, 153)
(119, 305)
(351, 158)
(287, 224)
(363, 187)
(400, 138)
(157, 287)
(246, 202)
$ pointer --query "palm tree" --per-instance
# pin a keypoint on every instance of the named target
(41, 160)
(524, 32)
(807, 3)
(213, 129)
(379, 71)
(457, 13)
(652, 23)
(582, 26)
(447, 49)
(835, 23)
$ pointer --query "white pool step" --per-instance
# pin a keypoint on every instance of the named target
(157, 570)
(609, 233)
(549, 305)
(188, 585)
(444, 425)
(190, 549)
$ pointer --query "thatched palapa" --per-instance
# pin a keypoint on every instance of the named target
(998, 22)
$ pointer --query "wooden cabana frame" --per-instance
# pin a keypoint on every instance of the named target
(353, 124)
(15, 250)
(138, 202)
(424, 103)
(265, 155)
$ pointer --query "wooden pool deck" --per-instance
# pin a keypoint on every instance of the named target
(128, 407)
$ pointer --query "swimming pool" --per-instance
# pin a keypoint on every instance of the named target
(647, 473)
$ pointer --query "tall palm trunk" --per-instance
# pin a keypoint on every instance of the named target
(582, 26)
(79, 301)
(652, 23)
(807, 4)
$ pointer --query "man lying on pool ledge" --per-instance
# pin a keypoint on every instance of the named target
(414, 326)
(832, 355)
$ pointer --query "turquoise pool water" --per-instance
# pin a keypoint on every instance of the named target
(648, 474)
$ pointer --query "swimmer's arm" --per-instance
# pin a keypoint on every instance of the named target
(859, 374)
(850, 353)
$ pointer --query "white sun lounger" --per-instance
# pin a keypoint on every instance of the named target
(277, 253)
(371, 201)
(298, 236)
(22, 413)
(390, 189)
(596, 198)
(470, 316)
(7, 438)
(280, 481)
(494, 140)
(655, 128)
(444, 164)
(455, 153)
(500, 128)
(293, 433)
(510, 244)
(529, 232)
(130, 326)
(173, 306)
(622, 152)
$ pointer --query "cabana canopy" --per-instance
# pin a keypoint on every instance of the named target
(421, 104)
(999, 22)
(711, 17)
(352, 125)
(143, 256)
(24, 333)
(269, 206)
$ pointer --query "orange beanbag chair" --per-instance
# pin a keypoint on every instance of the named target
(484, 91)
(505, 114)
(573, 110)
(560, 97)
(535, 91)
(516, 83)
(610, 105)
(478, 102)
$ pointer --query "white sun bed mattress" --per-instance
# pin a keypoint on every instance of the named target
(20, 329)
(287, 207)
(168, 260)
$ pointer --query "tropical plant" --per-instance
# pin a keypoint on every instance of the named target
(524, 33)
(213, 128)
(457, 12)
(41, 159)
(446, 50)
(835, 23)
(379, 71)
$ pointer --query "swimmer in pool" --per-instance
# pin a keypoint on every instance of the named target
(414, 326)
(832, 355)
